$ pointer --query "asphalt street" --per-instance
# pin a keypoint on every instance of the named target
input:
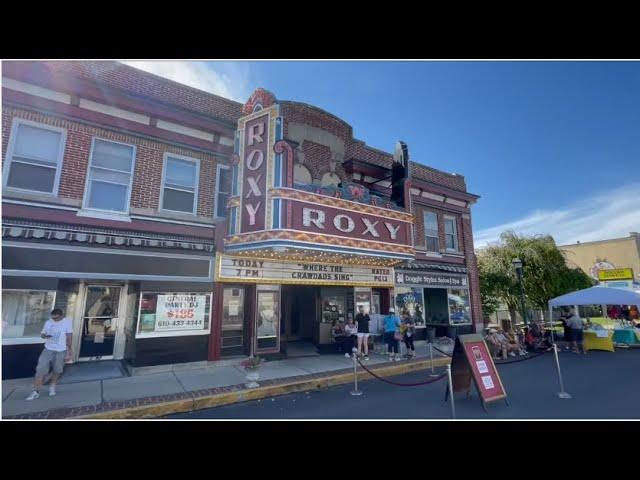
(603, 385)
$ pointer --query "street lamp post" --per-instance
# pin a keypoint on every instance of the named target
(517, 263)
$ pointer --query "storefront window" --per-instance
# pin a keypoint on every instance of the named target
(267, 319)
(363, 298)
(25, 312)
(333, 305)
(232, 317)
(436, 309)
(410, 300)
(459, 310)
(174, 314)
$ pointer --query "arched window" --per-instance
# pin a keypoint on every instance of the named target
(330, 178)
(301, 174)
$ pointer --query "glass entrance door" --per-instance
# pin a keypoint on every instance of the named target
(99, 322)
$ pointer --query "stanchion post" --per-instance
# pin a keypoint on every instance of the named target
(355, 390)
(432, 374)
(561, 393)
(453, 406)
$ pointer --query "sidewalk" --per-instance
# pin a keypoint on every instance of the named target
(184, 386)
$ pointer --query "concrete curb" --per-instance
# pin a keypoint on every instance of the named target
(228, 398)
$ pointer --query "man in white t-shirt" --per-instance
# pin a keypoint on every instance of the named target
(57, 349)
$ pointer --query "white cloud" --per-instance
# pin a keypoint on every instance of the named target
(599, 217)
(229, 80)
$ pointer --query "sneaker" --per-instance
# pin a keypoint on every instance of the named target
(398, 359)
(391, 359)
(52, 391)
(32, 396)
(522, 354)
(511, 354)
(346, 355)
(366, 357)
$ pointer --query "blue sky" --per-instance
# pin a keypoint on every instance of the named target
(551, 147)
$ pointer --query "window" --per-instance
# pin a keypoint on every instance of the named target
(451, 233)
(459, 310)
(110, 176)
(180, 184)
(173, 314)
(431, 232)
(301, 175)
(24, 312)
(223, 190)
(330, 178)
(34, 157)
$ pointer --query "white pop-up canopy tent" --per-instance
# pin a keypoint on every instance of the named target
(597, 296)
(590, 296)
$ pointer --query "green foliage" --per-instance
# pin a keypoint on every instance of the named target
(545, 273)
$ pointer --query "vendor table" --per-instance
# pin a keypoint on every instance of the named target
(625, 335)
(593, 342)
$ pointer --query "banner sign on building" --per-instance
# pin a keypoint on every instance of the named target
(431, 279)
(254, 170)
(615, 274)
(256, 270)
(180, 312)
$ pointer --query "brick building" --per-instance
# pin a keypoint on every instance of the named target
(173, 225)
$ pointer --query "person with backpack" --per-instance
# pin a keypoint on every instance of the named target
(392, 335)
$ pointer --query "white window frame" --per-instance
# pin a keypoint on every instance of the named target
(455, 233)
(85, 198)
(194, 211)
(10, 152)
(424, 224)
(215, 196)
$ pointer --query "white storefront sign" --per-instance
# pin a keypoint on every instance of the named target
(249, 270)
(180, 312)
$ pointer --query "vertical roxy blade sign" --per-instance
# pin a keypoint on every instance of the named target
(254, 173)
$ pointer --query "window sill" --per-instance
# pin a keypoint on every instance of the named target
(119, 217)
(22, 341)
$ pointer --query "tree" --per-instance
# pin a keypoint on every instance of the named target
(545, 273)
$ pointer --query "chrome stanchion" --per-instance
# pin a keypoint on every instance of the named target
(432, 374)
(355, 390)
(561, 393)
(453, 406)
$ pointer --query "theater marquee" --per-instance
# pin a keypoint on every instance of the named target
(254, 270)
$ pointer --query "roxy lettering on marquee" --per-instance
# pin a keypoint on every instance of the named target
(254, 161)
(344, 223)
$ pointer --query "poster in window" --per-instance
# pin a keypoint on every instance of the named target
(180, 312)
(267, 315)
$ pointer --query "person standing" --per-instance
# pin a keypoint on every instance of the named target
(391, 332)
(362, 321)
(566, 336)
(58, 333)
(576, 325)
(350, 331)
(409, 334)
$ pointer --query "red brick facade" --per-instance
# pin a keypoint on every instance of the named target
(160, 98)
(148, 166)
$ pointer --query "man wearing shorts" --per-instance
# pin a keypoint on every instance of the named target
(362, 320)
(57, 349)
